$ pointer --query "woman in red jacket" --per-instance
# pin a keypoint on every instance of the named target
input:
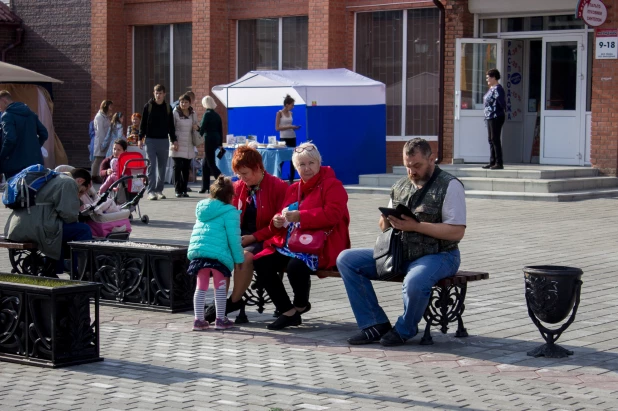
(258, 195)
(317, 202)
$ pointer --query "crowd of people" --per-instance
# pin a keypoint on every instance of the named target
(258, 223)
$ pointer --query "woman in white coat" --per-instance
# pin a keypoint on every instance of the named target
(102, 123)
(185, 122)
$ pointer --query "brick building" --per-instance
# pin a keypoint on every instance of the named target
(562, 97)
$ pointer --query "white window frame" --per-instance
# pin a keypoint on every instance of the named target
(404, 77)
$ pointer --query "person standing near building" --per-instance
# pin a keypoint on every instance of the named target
(285, 126)
(156, 133)
(102, 124)
(495, 106)
(22, 136)
(211, 128)
(184, 122)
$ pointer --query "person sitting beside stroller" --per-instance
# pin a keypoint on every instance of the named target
(52, 222)
(109, 167)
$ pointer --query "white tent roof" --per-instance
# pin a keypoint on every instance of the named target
(15, 74)
(333, 87)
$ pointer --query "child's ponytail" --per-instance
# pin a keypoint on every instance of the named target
(222, 189)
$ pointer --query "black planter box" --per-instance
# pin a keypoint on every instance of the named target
(134, 276)
(49, 326)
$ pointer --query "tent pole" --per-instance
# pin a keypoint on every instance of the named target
(440, 7)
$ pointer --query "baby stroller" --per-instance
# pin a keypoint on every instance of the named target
(130, 187)
(114, 225)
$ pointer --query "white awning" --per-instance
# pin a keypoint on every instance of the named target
(15, 74)
(333, 87)
(527, 7)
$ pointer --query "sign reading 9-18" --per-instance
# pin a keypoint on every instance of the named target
(606, 43)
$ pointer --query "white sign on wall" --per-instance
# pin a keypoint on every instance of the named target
(606, 42)
(514, 85)
(593, 12)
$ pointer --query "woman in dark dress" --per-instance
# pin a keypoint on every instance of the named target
(495, 105)
(212, 130)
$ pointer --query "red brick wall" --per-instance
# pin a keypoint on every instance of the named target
(327, 25)
(240, 9)
(459, 24)
(56, 43)
(604, 137)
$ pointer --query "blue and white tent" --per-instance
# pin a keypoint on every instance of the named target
(342, 112)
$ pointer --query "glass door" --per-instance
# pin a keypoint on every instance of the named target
(473, 57)
(563, 100)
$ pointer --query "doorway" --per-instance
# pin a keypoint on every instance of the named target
(544, 79)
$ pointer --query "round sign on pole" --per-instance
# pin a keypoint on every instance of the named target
(593, 12)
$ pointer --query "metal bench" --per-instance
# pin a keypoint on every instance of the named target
(25, 257)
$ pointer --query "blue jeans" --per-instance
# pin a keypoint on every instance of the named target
(357, 268)
(72, 232)
(157, 151)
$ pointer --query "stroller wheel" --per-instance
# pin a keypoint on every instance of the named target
(145, 219)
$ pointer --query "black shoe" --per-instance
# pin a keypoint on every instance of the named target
(211, 312)
(497, 167)
(189, 190)
(202, 191)
(286, 321)
(370, 334)
(185, 195)
(392, 339)
(178, 195)
(487, 167)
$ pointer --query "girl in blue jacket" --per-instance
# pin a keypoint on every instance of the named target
(215, 250)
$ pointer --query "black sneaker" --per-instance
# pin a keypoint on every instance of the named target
(370, 334)
(487, 167)
(286, 321)
(392, 339)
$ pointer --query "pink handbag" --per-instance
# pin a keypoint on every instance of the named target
(307, 241)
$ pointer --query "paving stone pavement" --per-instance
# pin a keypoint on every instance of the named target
(153, 360)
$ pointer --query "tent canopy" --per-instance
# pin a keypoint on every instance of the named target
(15, 74)
(332, 87)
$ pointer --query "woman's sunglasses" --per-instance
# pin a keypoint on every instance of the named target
(306, 148)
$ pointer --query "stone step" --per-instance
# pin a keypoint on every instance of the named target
(532, 172)
(503, 195)
(508, 184)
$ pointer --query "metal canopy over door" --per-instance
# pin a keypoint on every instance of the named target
(473, 57)
(563, 100)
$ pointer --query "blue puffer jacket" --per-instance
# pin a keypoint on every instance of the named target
(216, 233)
(23, 136)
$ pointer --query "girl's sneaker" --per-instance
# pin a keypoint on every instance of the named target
(223, 323)
(200, 325)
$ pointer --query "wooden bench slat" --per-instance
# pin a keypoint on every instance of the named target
(4, 243)
(462, 277)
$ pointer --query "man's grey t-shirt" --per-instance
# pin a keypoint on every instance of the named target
(454, 207)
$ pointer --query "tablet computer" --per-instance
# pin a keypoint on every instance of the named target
(397, 212)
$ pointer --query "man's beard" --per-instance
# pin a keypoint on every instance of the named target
(420, 181)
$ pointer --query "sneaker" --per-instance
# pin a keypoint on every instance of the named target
(200, 325)
(223, 324)
(161, 196)
(370, 335)
(152, 196)
(392, 339)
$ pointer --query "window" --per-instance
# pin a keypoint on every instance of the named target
(261, 48)
(162, 55)
(384, 41)
(489, 27)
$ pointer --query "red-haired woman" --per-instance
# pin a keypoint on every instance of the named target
(259, 196)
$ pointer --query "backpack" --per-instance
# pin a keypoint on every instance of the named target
(92, 134)
(21, 189)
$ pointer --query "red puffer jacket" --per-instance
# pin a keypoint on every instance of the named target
(269, 199)
(324, 204)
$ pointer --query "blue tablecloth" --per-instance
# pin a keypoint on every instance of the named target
(272, 158)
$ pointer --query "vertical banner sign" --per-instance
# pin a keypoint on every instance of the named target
(514, 86)
(593, 12)
(606, 42)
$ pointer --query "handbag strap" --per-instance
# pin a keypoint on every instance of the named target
(426, 187)
(321, 195)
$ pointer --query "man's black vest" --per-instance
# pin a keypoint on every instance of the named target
(417, 245)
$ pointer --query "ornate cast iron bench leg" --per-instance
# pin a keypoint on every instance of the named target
(27, 261)
(241, 318)
(446, 304)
